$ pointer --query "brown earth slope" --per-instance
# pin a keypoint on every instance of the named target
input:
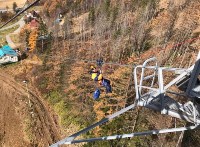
(23, 121)
(30, 122)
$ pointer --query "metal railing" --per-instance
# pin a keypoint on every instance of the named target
(138, 88)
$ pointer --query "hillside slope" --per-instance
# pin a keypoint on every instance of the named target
(126, 32)
(25, 120)
(123, 33)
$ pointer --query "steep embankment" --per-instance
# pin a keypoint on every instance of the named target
(11, 125)
(25, 119)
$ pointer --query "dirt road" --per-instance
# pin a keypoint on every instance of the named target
(23, 121)
(21, 24)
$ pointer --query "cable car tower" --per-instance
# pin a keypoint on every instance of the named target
(156, 97)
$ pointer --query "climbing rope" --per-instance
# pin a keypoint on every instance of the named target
(185, 41)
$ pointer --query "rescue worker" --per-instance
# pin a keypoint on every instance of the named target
(106, 84)
(96, 75)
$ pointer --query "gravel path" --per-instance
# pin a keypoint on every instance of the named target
(21, 23)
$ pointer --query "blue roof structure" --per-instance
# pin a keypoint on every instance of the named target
(7, 50)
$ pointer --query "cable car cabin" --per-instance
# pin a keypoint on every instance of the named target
(8, 55)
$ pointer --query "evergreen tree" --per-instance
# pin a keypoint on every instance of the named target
(14, 6)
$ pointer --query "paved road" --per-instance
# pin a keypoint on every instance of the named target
(21, 23)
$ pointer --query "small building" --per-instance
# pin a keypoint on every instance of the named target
(34, 24)
(8, 55)
(29, 17)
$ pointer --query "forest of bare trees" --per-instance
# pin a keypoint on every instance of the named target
(122, 32)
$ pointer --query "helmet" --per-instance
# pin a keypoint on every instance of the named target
(92, 67)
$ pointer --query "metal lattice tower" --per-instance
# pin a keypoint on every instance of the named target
(156, 97)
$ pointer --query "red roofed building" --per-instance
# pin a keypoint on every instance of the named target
(34, 23)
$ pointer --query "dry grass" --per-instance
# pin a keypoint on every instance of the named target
(15, 38)
(4, 33)
(9, 3)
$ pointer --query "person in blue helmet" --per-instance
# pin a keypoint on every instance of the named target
(97, 76)
(106, 84)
